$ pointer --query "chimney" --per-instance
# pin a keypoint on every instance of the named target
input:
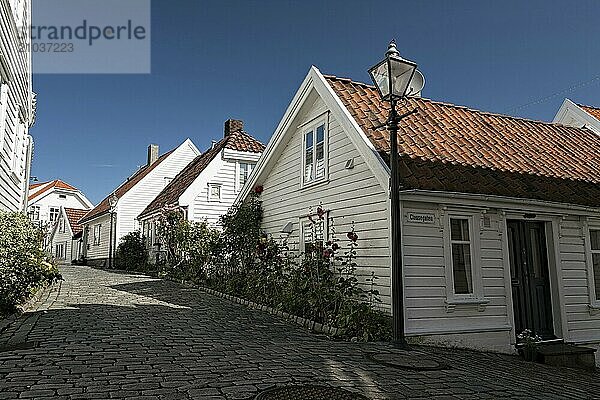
(152, 154)
(233, 125)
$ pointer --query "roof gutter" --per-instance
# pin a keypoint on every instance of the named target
(494, 201)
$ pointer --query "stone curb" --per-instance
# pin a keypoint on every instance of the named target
(6, 322)
(304, 322)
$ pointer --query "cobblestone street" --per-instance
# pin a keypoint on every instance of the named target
(101, 335)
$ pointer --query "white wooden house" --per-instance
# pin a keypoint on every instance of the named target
(105, 226)
(208, 186)
(578, 115)
(17, 104)
(46, 199)
(500, 215)
(66, 236)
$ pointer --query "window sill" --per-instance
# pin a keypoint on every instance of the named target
(479, 303)
(313, 184)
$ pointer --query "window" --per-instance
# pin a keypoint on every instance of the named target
(214, 192)
(244, 173)
(314, 233)
(460, 244)
(3, 113)
(62, 227)
(314, 162)
(54, 214)
(62, 196)
(60, 251)
(19, 148)
(97, 229)
(34, 213)
(595, 247)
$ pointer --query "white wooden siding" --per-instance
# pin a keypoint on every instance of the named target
(138, 197)
(348, 194)
(64, 238)
(13, 132)
(220, 172)
(73, 200)
(425, 276)
(98, 251)
(583, 324)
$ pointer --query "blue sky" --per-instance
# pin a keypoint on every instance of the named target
(245, 59)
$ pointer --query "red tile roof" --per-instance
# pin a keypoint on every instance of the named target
(239, 140)
(453, 148)
(74, 215)
(104, 206)
(593, 111)
(57, 183)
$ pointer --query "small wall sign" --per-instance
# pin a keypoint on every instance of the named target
(420, 218)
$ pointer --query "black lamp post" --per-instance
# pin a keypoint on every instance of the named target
(393, 78)
(112, 201)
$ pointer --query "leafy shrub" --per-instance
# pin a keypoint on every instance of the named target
(188, 246)
(24, 266)
(132, 253)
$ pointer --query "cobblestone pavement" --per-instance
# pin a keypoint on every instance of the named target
(102, 335)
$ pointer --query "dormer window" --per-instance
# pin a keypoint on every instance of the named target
(314, 153)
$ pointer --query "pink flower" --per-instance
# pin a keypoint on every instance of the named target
(327, 253)
(258, 189)
(352, 236)
(335, 247)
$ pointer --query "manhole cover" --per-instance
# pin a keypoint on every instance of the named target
(412, 361)
(308, 392)
(17, 346)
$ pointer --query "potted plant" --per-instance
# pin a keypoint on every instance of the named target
(529, 343)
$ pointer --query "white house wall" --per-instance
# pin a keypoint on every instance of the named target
(99, 251)
(349, 195)
(51, 199)
(62, 238)
(15, 76)
(138, 197)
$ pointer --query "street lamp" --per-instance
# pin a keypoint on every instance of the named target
(395, 80)
(112, 202)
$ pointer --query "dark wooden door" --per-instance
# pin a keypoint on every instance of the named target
(530, 278)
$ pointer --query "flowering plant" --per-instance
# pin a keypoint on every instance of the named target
(530, 344)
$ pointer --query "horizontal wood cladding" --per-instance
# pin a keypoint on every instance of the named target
(350, 196)
(15, 73)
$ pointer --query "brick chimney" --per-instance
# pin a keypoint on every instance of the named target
(152, 154)
(233, 125)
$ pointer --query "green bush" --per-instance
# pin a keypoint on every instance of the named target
(24, 266)
(188, 246)
(132, 253)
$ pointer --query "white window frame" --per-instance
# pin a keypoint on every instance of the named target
(97, 234)
(51, 213)
(34, 213)
(238, 171)
(474, 223)
(312, 127)
(594, 301)
(211, 198)
(304, 223)
(62, 226)
(3, 112)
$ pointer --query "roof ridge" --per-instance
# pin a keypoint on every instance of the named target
(458, 106)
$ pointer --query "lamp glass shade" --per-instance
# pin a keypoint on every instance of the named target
(401, 72)
(112, 201)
